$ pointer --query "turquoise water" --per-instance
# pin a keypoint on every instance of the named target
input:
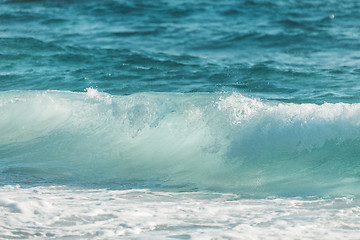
(254, 98)
(223, 142)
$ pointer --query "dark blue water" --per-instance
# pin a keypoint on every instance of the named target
(295, 51)
(254, 97)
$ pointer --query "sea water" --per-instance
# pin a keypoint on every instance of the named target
(179, 119)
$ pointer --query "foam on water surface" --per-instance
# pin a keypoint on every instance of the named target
(76, 213)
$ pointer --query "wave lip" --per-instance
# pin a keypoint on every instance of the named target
(222, 142)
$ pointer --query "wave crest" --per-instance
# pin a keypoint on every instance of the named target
(223, 142)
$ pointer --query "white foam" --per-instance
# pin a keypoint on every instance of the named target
(72, 213)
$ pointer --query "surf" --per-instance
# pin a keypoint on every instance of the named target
(224, 142)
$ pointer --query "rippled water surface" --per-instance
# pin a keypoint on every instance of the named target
(298, 51)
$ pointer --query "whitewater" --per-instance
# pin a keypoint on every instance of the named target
(70, 213)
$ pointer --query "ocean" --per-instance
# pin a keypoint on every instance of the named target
(174, 119)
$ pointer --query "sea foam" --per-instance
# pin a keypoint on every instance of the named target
(78, 213)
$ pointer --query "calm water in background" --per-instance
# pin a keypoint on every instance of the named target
(225, 119)
(297, 51)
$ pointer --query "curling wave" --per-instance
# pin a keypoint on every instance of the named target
(222, 142)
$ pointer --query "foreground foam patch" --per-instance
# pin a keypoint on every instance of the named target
(63, 212)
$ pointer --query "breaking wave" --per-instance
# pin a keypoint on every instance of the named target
(223, 142)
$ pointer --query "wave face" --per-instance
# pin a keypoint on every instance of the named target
(223, 142)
